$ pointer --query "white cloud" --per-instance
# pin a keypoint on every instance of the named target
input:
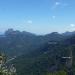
(29, 22)
(72, 25)
(53, 17)
(57, 3)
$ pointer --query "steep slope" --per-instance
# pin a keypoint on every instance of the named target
(16, 43)
(41, 61)
(47, 58)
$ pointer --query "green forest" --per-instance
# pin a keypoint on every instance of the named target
(24, 53)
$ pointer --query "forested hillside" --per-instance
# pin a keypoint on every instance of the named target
(38, 54)
(15, 43)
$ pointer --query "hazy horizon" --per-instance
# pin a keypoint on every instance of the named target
(2, 33)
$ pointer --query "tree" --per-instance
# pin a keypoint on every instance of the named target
(4, 69)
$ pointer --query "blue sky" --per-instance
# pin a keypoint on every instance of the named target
(37, 16)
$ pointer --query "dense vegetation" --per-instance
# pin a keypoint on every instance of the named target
(4, 68)
(38, 55)
(16, 42)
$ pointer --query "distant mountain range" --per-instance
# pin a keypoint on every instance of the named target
(36, 53)
(16, 43)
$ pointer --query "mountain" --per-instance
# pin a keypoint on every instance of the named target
(47, 58)
(69, 33)
(36, 54)
(16, 43)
